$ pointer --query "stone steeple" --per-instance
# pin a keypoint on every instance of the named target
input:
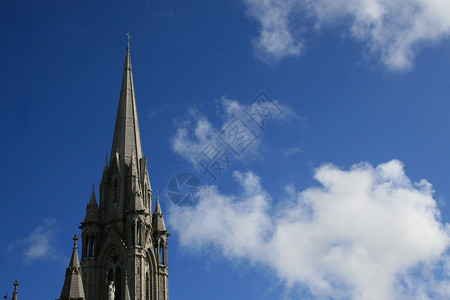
(73, 284)
(118, 235)
(127, 138)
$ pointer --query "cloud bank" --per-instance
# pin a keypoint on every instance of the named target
(364, 233)
(391, 31)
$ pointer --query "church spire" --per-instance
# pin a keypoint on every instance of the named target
(73, 284)
(118, 235)
(127, 138)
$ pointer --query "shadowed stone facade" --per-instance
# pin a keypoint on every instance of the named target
(124, 245)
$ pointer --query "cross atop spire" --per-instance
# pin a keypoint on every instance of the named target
(127, 137)
(74, 262)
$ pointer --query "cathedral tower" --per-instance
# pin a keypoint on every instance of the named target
(124, 245)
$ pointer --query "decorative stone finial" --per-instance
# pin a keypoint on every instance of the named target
(129, 38)
(75, 240)
(16, 283)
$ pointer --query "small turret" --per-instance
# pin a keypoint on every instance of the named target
(160, 236)
(90, 227)
(92, 209)
(158, 218)
(73, 284)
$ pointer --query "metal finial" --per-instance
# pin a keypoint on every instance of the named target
(129, 38)
(16, 283)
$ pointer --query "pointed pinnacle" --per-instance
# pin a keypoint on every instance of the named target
(158, 206)
(93, 201)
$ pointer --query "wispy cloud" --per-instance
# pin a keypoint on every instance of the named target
(196, 132)
(192, 135)
(289, 151)
(39, 244)
(365, 233)
(392, 31)
(157, 111)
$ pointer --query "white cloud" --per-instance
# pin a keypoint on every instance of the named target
(39, 244)
(196, 132)
(289, 151)
(392, 31)
(365, 233)
(192, 136)
(276, 40)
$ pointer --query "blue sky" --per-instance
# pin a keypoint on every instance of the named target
(342, 195)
